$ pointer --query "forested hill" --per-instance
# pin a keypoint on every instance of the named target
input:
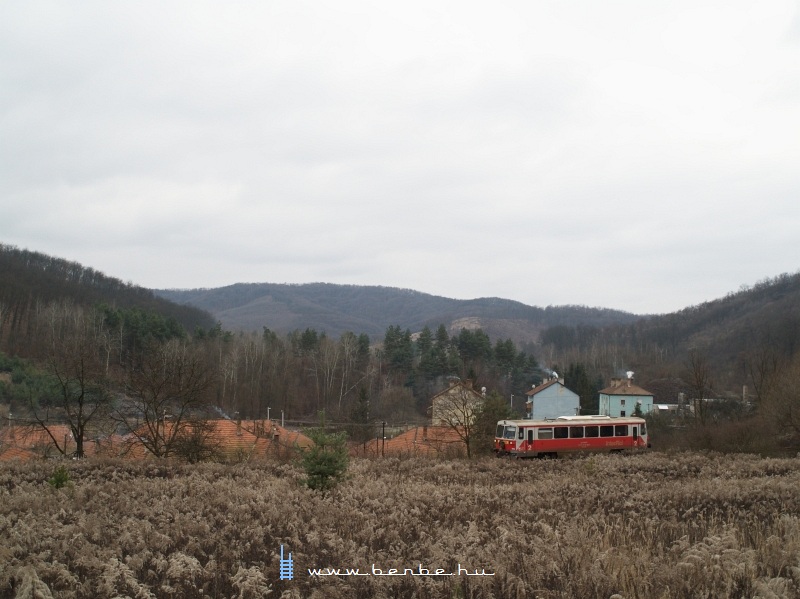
(766, 315)
(756, 323)
(335, 309)
(28, 278)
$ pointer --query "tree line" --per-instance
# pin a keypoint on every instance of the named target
(102, 369)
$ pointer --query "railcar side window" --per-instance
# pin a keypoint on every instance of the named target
(545, 433)
(621, 430)
(592, 431)
(607, 431)
(561, 432)
(521, 434)
(576, 432)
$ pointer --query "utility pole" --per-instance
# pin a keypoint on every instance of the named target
(383, 438)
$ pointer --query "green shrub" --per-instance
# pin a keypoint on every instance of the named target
(60, 477)
(325, 463)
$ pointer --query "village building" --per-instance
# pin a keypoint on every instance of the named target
(551, 399)
(456, 405)
(623, 396)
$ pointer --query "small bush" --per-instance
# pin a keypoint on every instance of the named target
(325, 463)
(60, 477)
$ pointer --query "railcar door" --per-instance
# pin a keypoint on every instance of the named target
(640, 437)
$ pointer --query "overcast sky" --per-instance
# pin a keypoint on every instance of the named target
(643, 156)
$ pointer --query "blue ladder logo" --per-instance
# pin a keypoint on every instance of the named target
(287, 566)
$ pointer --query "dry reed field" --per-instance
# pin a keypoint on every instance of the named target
(656, 525)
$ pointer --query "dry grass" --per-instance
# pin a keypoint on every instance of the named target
(657, 525)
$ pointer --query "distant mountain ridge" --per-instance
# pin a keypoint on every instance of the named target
(336, 309)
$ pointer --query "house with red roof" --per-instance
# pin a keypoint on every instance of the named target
(623, 396)
(222, 438)
(420, 441)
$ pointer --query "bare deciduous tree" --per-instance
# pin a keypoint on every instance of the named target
(166, 392)
(781, 404)
(458, 408)
(72, 341)
(199, 442)
(763, 367)
(699, 376)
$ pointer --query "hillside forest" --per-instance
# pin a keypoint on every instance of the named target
(87, 350)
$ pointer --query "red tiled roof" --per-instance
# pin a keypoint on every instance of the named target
(419, 441)
(250, 439)
(256, 438)
(624, 387)
(31, 441)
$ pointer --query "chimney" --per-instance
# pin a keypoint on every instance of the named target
(238, 426)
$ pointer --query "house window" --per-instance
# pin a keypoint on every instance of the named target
(622, 412)
(622, 402)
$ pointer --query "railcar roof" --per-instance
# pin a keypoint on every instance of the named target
(572, 420)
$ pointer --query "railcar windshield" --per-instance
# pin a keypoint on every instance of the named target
(510, 432)
(643, 430)
(499, 432)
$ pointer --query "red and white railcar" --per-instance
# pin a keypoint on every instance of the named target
(570, 434)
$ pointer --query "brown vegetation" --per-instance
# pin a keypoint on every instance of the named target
(657, 525)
